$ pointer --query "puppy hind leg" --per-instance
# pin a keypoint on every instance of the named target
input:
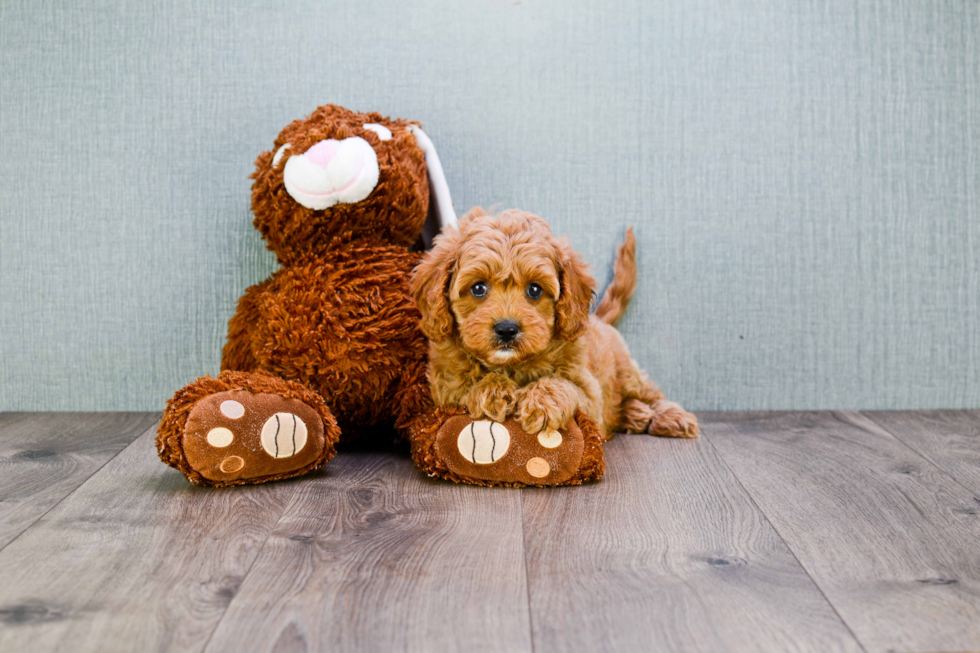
(636, 416)
(661, 417)
(646, 409)
(673, 421)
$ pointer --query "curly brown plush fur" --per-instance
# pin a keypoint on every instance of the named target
(337, 320)
(392, 215)
(510, 270)
(342, 323)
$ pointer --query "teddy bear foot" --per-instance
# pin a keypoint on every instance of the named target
(245, 428)
(449, 444)
(237, 436)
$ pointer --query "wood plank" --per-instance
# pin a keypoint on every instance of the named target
(45, 456)
(667, 553)
(890, 539)
(950, 439)
(8, 417)
(136, 559)
(376, 557)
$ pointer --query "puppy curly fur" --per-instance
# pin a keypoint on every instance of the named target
(562, 359)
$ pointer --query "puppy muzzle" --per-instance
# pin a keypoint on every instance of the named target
(506, 331)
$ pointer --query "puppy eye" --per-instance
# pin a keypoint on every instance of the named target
(534, 291)
(478, 289)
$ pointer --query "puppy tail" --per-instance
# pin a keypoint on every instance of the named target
(617, 296)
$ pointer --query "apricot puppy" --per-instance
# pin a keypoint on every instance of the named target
(505, 306)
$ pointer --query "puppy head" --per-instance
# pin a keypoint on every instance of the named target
(504, 287)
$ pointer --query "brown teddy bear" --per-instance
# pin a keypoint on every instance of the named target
(330, 345)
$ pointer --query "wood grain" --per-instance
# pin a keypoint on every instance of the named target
(671, 551)
(136, 559)
(44, 457)
(373, 556)
(9, 417)
(667, 553)
(950, 439)
(891, 540)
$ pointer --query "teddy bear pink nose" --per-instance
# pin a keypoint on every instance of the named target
(322, 153)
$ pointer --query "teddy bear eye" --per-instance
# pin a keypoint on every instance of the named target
(534, 291)
(479, 289)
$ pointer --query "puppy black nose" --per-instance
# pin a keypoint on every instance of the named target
(506, 330)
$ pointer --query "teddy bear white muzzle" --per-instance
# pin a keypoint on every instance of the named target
(332, 172)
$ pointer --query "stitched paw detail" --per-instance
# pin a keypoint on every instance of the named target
(237, 435)
(483, 442)
(284, 435)
(504, 453)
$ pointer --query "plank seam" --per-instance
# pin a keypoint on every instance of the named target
(258, 554)
(707, 441)
(914, 450)
(527, 575)
(76, 488)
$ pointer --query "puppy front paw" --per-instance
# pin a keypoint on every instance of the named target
(542, 405)
(493, 398)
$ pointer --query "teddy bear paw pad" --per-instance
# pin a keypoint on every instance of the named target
(284, 435)
(550, 439)
(504, 453)
(236, 435)
(483, 442)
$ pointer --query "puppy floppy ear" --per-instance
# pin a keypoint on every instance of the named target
(430, 286)
(577, 288)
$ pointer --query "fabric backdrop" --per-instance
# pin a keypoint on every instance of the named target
(804, 177)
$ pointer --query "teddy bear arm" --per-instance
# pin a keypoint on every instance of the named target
(412, 399)
(237, 353)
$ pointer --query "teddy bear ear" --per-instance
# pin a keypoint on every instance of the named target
(441, 214)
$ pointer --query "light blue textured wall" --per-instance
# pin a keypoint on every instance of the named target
(804, 176)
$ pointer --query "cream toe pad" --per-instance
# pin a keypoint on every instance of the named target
(538, 467)
(220, 437)
(232, 409)
(232, 464)
(283, 435)
(549, 439)
(483, 442)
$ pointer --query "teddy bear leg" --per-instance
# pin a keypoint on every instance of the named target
(245, 427)
(447, 443)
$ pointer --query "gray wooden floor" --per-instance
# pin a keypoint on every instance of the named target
(774, 532)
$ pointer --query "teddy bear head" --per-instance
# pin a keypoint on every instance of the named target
(341, 174)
